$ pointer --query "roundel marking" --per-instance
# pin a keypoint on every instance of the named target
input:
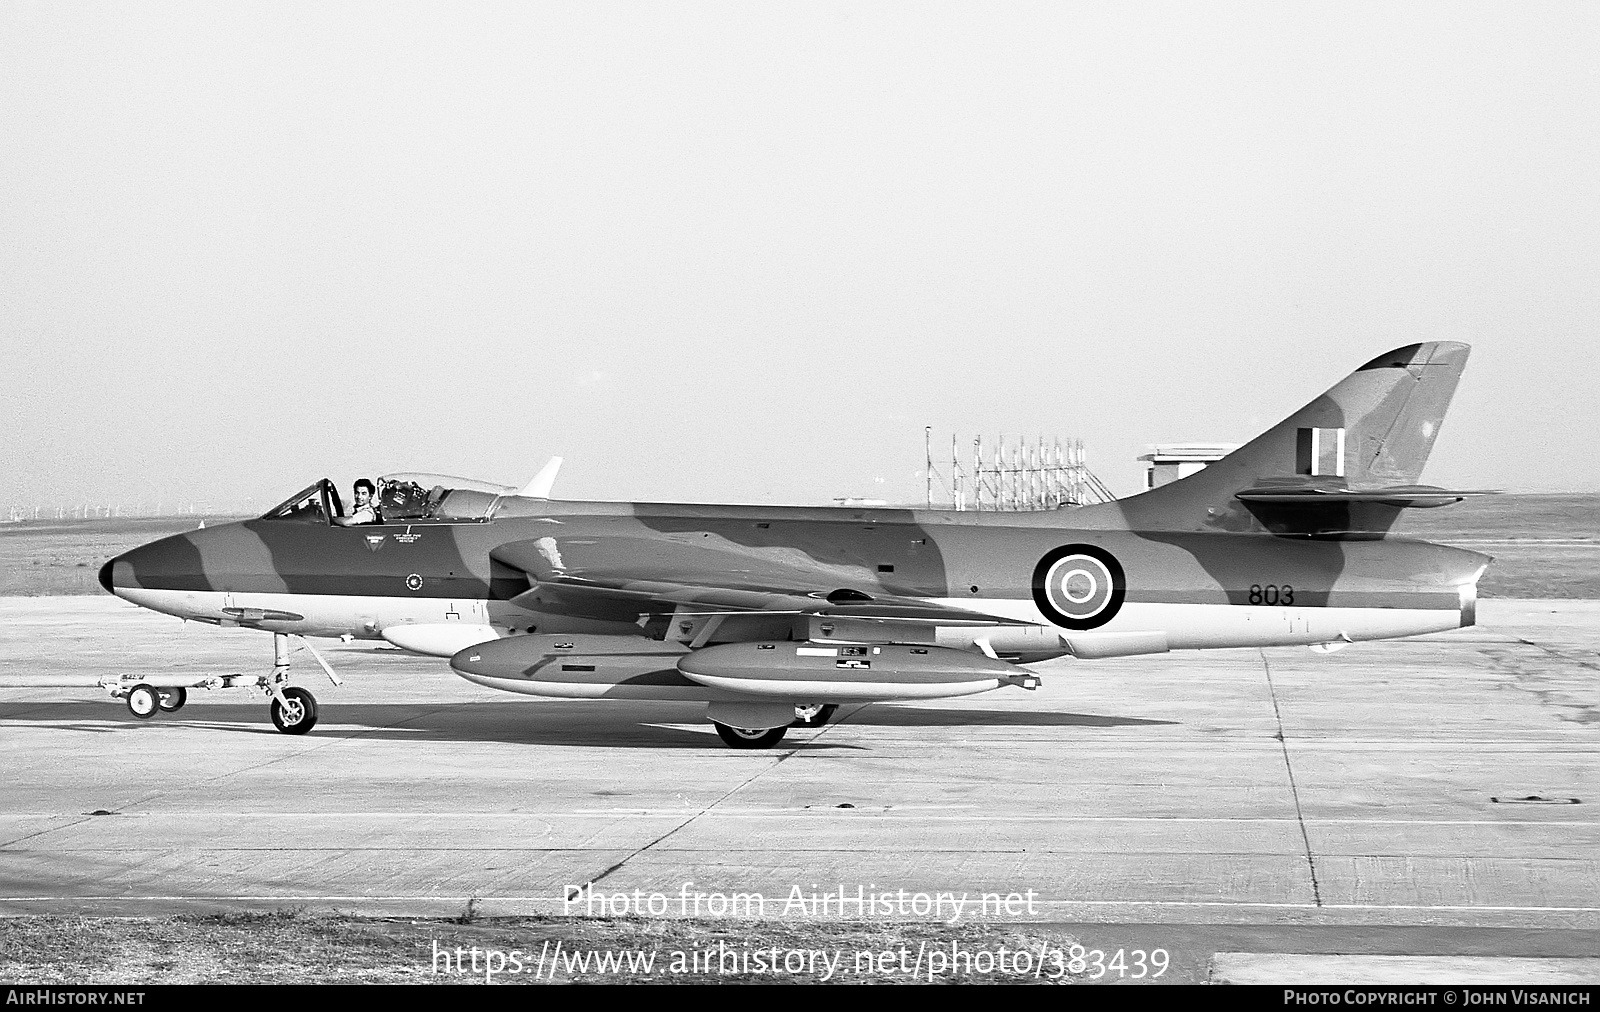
(414, 582)
(1079, 586)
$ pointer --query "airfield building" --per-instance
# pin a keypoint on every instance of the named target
(1167, 462)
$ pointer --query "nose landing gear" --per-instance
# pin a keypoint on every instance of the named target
(293, 709)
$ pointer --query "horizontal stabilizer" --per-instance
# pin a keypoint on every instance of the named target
(1400, 496)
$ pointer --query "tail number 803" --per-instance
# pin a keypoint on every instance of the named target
(1271, 593)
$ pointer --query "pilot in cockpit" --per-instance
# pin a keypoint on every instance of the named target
(365, 510)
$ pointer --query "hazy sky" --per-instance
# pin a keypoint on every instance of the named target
(746, 251)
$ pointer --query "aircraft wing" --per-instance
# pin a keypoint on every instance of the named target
(708, 574)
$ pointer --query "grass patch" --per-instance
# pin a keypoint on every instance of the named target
(285, 947)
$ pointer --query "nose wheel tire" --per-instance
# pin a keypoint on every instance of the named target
(172, 700)
(750, 737)
(301, 714)
(815, 715)
(143, 701)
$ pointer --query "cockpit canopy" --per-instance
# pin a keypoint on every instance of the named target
(418, 496)
(408, 498)
(313, 504)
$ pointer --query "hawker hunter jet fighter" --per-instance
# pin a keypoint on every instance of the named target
(767, 613)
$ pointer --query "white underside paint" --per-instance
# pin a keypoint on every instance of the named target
(324, 614)
(1214, 626)
(1185, 626)
(335, 615)
(439, 639)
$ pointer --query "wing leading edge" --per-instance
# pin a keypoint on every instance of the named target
(666, 574)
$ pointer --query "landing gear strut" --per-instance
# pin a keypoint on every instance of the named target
(293, 709)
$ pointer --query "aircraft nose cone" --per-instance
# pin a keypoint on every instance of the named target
(118, 575)
(172, 563)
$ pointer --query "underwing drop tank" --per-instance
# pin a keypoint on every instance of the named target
(593, 666)
(839, 672)
(632, 667)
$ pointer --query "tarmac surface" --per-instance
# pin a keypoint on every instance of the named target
(1434, 795)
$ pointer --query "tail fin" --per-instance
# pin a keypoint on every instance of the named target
(1345, 464)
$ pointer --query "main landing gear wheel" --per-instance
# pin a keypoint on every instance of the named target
(750, 737)
(301, 714)
(815, 715)
(143, 701)
(172, 700)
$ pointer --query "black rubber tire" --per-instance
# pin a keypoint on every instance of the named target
(820, 718)
(308, 711)
(746, 737)
(172, 700)
(143, 701)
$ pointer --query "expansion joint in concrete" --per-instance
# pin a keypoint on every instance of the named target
(714, 803)
(1294, 789)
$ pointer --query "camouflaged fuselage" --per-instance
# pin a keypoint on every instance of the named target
(639, 557)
